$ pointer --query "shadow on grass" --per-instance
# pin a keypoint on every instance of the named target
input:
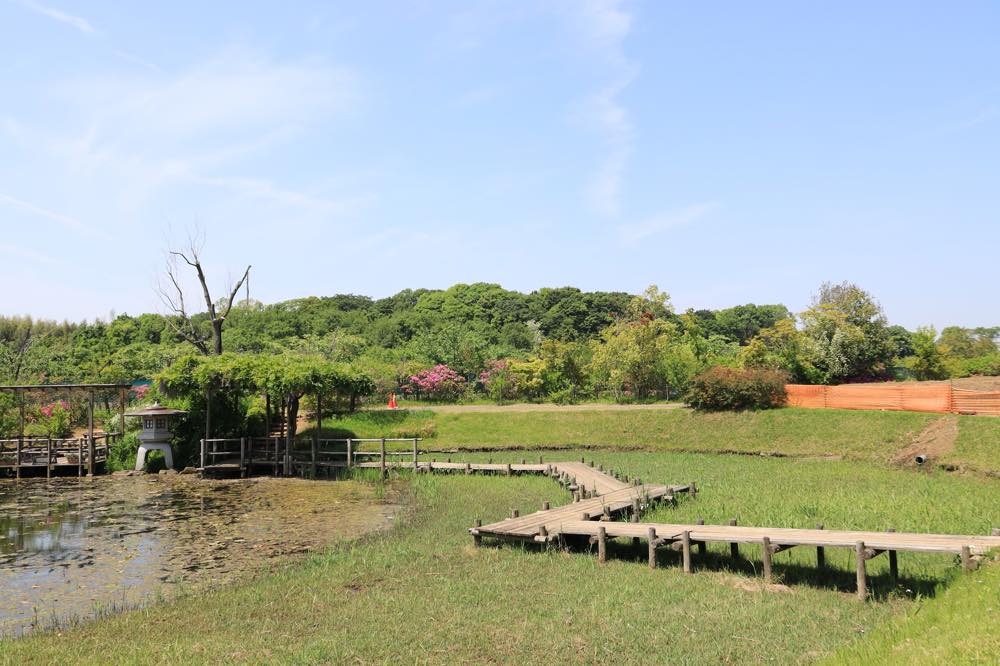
(880, 587)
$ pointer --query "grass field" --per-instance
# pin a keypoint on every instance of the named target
(423, 592)
(978, 444)
(810, 432)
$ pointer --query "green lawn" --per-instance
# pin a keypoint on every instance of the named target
(423, 593)
(856, 434)
(978, 444)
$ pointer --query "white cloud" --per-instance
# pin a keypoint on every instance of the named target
(64, 220)
(80, 23)
(603, 26)
(657, 224)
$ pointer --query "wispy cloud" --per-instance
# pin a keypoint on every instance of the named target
(78, 22)
(64, 220)
(657, 224)
(604, 25)
(25, 253)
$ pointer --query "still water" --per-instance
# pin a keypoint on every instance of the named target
(72, 549)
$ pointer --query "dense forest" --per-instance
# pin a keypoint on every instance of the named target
(481, 340)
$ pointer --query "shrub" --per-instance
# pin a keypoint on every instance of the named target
(437, 383)
(722, 388)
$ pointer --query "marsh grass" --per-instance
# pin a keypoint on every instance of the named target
(423, 593)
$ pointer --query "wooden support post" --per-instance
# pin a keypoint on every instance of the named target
(602, 545)
(468, 468)
(701, 544)
(79, 457)
(508, 471)
(967, 562)
(414, 453)
(766, 560)
(203, 454)
(382, 458)
(545, 506)
(693, 490)
(48, 458)
(477, 538)
(121, 415)
(651, 537)
(544, 533)
(820, 552)
(17, 458)
(635, 510)
(686, 550)
(514, 513)
(539, 460)
(91, 450)
(734, 548)
(350, 460)
(243, 458)
(893, 565)
(859, 552)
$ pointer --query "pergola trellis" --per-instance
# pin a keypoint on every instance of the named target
(91, 390)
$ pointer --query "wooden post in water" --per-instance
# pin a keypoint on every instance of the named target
(90, 435)
(766, 559)
(79, 456)
(48, 458)
(862, 576)
(701, 544)
(820, 552)
(686, 550)
(734, 548)
(893, 564)
(382, 458)
(602, 545)
(17, 458)
(651, 536)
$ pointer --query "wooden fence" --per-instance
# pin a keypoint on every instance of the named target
(934, 397)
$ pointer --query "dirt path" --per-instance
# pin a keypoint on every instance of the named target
(935, 440)
(530, 407)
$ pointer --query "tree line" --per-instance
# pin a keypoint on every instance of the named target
(471, 340)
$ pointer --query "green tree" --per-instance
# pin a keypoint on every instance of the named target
(848, 333)
(927, 361)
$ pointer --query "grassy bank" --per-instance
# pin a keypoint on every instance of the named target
(862, 435)
(423, 593)
(978, 443)
(961, 626)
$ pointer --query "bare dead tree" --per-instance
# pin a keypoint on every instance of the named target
(173, 298)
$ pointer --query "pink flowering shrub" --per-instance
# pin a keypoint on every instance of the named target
(498, 381)
(437, 383)
(54, 419)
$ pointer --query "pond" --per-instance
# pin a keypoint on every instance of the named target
(75, 549)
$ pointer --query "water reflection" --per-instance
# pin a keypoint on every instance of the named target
(73, 548)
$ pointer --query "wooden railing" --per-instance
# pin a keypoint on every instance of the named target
(52, 452)
(304, 455)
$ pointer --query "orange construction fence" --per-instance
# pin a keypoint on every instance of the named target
(910, 396)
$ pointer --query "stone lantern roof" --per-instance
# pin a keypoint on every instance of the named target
(156, 410)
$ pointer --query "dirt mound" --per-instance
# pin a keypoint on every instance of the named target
(937, 439)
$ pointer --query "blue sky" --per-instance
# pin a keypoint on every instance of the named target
(727, 152)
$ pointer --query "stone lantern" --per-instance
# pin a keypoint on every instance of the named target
(155, 434)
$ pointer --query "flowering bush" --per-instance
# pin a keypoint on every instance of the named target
(54, 419)
(722, 388)
(498, 381)
(437, 383)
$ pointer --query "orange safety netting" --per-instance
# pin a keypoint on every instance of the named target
(910, 396)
